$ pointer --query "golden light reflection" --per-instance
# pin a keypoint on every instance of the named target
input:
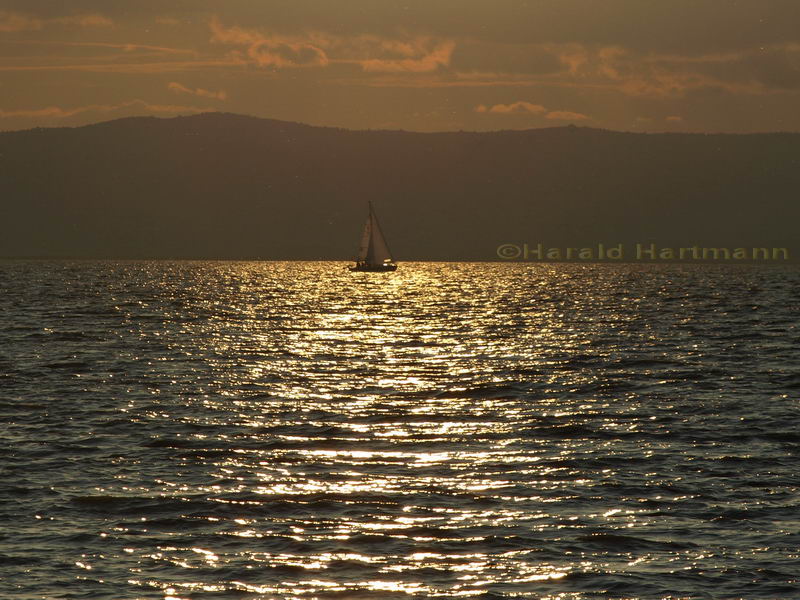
(410, 435)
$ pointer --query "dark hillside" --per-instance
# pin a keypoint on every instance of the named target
(228, 186)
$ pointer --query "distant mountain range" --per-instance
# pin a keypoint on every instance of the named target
(229, 186)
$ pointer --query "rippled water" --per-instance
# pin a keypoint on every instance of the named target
(293, 430)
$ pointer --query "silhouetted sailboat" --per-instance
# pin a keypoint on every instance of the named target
(373, 254)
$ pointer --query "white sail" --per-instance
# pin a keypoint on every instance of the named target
(366, 240)
(373, 250)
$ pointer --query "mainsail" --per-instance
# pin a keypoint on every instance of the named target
(373, 250)
(373, 253)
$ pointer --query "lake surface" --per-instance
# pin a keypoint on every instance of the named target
(283, 430)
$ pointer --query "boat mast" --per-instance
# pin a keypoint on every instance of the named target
(377, 227)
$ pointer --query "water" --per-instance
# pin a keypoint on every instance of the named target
(292, 430)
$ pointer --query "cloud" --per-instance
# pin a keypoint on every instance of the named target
(182, 89)
(674, 119)
(62, 56)
(270, 51)
(133, 67)
(516, 107)
(615, 68)
(565, 115)
(49, 112)
(12, 22)
(137, 106)
(124, 46)
(382, 54)
(373, 53)
(93, 20)
(574, 66)
(522, 107)
(279, 53)
(167, 21)
(753, 70)
(424, 60)
(232, 35)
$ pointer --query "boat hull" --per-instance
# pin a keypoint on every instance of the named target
(373, 268)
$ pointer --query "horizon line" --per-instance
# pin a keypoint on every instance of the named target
(687, 261)
(570, 126)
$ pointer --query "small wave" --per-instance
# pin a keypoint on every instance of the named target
(76, 366)
(626, 542)
(487, 391)
(577, 431)
(14, 559)
(133, 504)
(645, 363)
(781, 436)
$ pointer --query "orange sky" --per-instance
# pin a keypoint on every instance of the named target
(671, 65)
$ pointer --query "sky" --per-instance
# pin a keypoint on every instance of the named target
(419, 65)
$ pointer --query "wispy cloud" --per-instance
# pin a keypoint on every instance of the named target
(269, 51)
(90, 20)
(565, 115)
(593, 68)
(516, 107)
(420, 61)
(58, 113)
(124, 46)
(133, 67)
(167, 21)
(756, 70)
(178, 88)
(12, 22)
(523, 107)
(421, 56)
(373, 53)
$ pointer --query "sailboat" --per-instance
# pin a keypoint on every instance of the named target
(373, 253)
